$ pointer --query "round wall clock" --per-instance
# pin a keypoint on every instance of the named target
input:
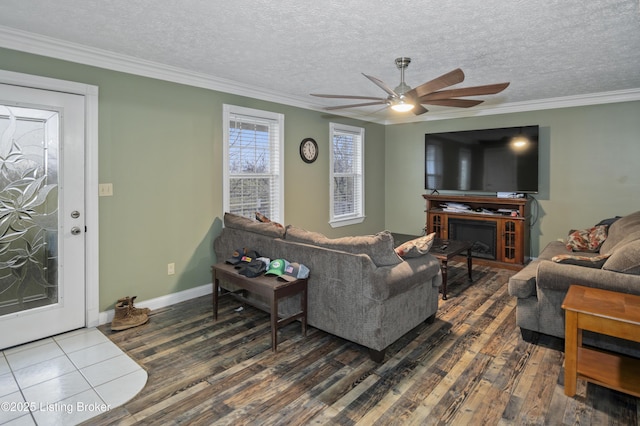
(308, 150)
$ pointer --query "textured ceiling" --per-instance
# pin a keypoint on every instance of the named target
(546, 49)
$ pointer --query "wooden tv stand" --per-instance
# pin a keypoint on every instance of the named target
(512, 228)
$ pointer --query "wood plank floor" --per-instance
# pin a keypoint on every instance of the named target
(469, 367)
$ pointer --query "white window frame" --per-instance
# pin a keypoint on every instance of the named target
(278, 154)
(358, 215)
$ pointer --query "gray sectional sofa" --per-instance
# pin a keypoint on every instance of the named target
(541, 286)
(358, 289)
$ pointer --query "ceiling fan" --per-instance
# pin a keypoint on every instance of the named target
(403, 98)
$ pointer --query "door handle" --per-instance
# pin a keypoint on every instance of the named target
(75, 230)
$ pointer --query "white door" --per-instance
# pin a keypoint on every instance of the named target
(42, 214)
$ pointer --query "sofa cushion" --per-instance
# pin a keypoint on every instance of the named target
(554, 248)
(633, 236)
(587, 261)
(625, 259)
(416, 247)
(269, 229)
(378, 247)
(619, 230)
(587, 240)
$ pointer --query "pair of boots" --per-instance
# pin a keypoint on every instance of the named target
(127, 315)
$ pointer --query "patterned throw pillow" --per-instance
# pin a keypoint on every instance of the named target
(588, 261)
(417, 247)
(587, 240)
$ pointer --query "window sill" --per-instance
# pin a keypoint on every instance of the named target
(336, 223)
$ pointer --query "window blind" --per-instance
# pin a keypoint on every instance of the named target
(347, 181)
(254, 164)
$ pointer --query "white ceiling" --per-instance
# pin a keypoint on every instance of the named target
(554, 52)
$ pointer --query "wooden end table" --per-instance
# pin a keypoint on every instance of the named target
(444, 250)
(605, 312)
(267, 286)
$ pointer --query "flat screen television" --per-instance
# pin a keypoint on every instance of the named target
(488, 160)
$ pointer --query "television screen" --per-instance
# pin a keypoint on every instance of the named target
(489, 160)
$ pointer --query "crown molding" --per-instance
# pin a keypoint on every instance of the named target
(58, 49)
(46, 46)
(630, 95)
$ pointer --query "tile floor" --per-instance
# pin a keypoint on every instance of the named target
(66, 379)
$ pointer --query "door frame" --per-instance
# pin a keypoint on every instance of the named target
(90, 93)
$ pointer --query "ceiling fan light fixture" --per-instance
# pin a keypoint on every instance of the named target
(403, 98)
(402, 106)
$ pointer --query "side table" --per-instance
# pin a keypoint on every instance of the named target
(267, 286)
(605, 312)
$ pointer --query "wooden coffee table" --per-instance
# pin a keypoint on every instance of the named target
(605, 312)
(267, 286)
(444, 250)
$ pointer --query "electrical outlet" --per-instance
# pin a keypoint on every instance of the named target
(171, 268)
(105, 189)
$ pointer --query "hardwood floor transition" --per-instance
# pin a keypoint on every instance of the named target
(469, 367)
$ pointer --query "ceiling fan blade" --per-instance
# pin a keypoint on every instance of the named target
(347, 97)
(489, 89)
(381, 84)
(459, 103)
(449, 79)
(356, 105)
(419, 109)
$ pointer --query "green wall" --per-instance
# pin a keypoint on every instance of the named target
(160, 144)
(589, 167)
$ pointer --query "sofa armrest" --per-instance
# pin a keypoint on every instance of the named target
(559, 277)
(389, 281)
(523, 284)
(428, 264)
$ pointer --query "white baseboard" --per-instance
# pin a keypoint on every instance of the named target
(163, 301)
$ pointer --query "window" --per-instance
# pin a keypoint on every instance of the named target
(346, 175)
(253, 162)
